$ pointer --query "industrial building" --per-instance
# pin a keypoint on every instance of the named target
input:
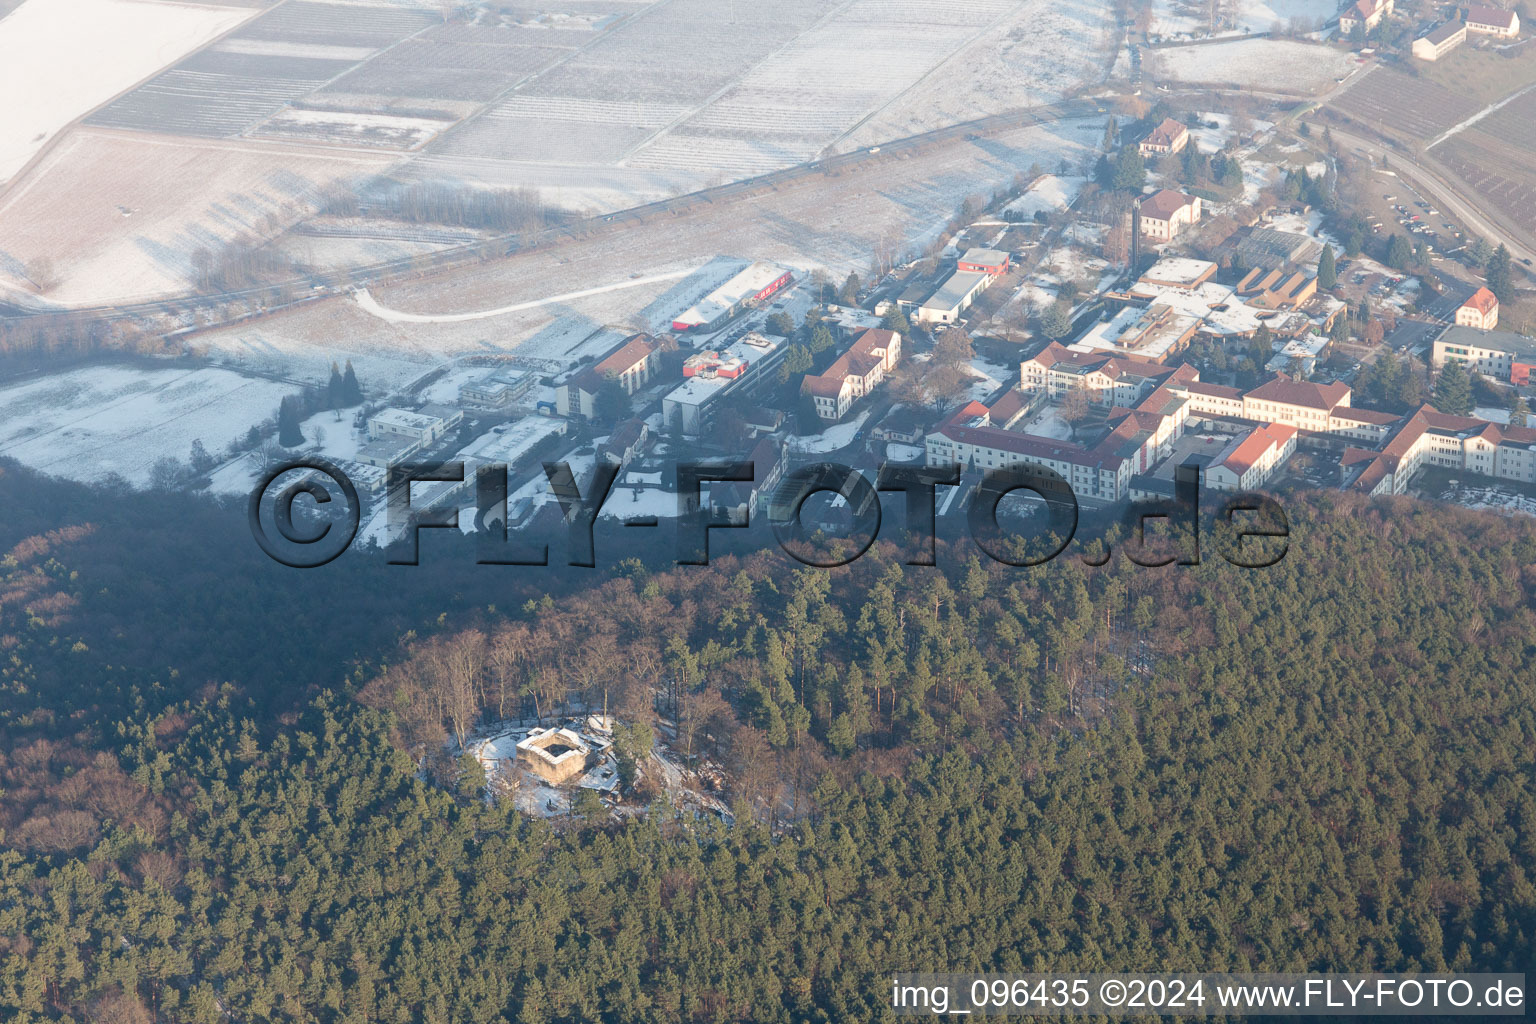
(953, 297)
(747, 288)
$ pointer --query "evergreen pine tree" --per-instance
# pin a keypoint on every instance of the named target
(335, 389)
(351, 390)
(1453, 390)
(1327, 273)
(1500, 281)
(288, 433)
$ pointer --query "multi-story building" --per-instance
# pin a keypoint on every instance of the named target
(1440, 41)
(1493, 21)
(1249, 461)
(1303, 405)
(1106, 377)
(1431, 438)
(1481, 310)
(1502, 355)
(853, 374)
(1366, 14)
(1165, 213)
(631, 366)
(1168, 137)
(1100, 472)
(711, 376)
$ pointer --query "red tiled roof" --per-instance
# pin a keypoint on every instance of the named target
(1213, 390)
(1008, 406)
(1482, 300)
(1164, 203)
(626, 355)
(1165, 133)
(858, 361)
(1301, 392)
(1367, 416)
(1491, 16)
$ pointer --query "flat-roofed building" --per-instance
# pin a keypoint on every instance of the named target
(423, 427)
(747, 287)
(497, 390)
(1502, 355)
(983, 261)
(953, 297)
(689, 408)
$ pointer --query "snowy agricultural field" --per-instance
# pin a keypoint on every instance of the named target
(1272, 65)
(68, 56)
(120, 216)
(88, 423)
(1035, 52)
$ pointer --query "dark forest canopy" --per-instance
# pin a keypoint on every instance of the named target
(1324, 765)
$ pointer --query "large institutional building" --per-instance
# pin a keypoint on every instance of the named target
(1502, 355)
(853, 374)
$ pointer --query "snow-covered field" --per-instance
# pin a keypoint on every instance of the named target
(87, 423)
(67, 56)
(1035, 52)
(1274, 65)
(120, 215)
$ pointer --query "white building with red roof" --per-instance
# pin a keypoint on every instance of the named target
(853, 374)
(1481, 310)
(1165, 213)
(1249, 461)
(1168, 137)
(1366, 13)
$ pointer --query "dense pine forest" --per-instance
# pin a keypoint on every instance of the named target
(214, 806)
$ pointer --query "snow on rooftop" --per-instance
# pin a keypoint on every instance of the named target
(742, 285)
(1179, 270)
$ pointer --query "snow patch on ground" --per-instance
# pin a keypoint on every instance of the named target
(831, 439)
